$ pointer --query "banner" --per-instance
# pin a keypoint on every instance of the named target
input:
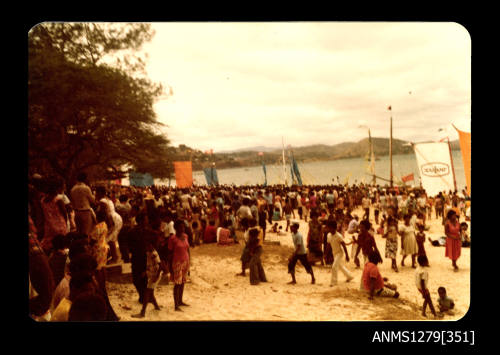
(435, 167)
(183, 174)
(297, 172)
(140, 180)
(464, 138)
(211, 176)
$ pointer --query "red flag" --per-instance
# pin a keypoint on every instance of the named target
(408, 177)
(389, 108)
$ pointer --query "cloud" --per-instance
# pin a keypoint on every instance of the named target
(245, 84)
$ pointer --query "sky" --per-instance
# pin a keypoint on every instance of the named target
(234, 85)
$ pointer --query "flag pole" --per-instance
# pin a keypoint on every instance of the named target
(390, 148)
(452, 166)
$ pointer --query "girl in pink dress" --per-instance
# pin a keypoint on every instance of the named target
(453, 241)
(178, 247)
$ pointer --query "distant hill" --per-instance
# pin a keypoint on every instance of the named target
(317, 152)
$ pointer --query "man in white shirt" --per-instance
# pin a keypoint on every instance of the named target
(337, 242)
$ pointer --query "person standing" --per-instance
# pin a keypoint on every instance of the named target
(453, 241)
(391, 241)
(137, 246)
(114, 220)
(336, 241)
(299, 254)
(124, 209)
(408, 241)
(365, 203)
(178, 247)
(55, 215)
(82, 199)
(99, 252)
(257, 274)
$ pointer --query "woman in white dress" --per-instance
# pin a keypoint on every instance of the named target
(408, 241)
(114, 221)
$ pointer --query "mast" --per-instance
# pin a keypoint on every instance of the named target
(452, 167)
(372, 159)
(284, 170)
(390, 149)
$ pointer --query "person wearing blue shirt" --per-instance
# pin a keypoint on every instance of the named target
(299, 254)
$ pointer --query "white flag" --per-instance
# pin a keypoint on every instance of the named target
(435, 167)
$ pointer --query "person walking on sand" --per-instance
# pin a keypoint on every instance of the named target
(153, 274)
(336, 241)
(421, 281)
(299, 254)
(453, 242)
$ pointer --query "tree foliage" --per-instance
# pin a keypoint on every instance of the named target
(90, 106)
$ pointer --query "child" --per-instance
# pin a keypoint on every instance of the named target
(446, 304)
(464, 235)
(153, 274)
(420, 238)
(196, 233)
(421, 281)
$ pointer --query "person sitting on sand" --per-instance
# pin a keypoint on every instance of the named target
(299, 254)
(373, 283)
(437, 243)
(464, 236)
(210, 234)
(445, 303)
(224, 234)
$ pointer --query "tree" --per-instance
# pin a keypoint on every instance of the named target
(90, 105)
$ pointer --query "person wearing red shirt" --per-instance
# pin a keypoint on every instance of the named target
(373, 281)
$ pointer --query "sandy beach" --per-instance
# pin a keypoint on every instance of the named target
(215, 293)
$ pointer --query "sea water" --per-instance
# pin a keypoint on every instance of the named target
(353, 171)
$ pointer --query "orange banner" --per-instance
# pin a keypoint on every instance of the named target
(465, 146)
(183, 173)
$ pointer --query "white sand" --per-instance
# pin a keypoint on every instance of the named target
(215, 293)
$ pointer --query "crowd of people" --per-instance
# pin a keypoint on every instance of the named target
(75, 233)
